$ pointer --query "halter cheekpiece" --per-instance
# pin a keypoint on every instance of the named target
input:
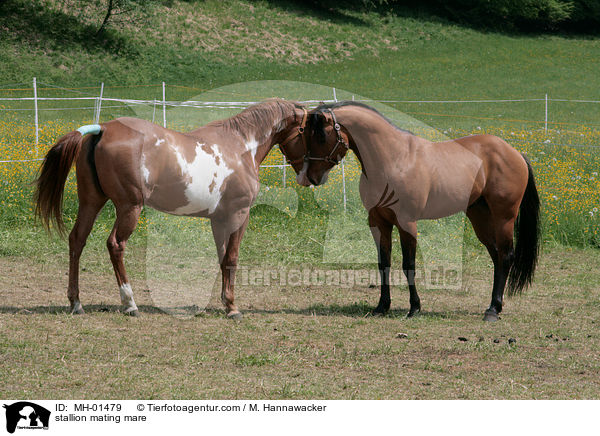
(340, 140)
(297, 132)
(307, 157)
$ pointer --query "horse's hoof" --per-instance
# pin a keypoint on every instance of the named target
(413, 313)
(236, 316)
(380, 311)
(77, 309)
(490, 316)
(134, 313)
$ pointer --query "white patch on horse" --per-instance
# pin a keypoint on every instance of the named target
(145, 171)
(127, 297)
(206, 173)
(302, 178)
(252, 146)
(158, 142)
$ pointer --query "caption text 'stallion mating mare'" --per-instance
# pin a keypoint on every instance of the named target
(406, 178)
(209, 172)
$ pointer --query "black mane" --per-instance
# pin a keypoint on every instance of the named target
(331, 106)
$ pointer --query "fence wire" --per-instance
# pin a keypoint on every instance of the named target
(84, 94)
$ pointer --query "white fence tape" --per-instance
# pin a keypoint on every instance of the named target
(242, 105)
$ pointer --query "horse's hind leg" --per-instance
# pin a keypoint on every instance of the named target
(381, 229)
(496, 235)
(504, 243)
(90, 204)
(127, 218)
(409, 252)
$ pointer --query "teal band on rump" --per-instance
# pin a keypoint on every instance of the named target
(90, 128)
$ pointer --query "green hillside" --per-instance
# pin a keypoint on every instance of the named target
(212, 43)
(195, 42)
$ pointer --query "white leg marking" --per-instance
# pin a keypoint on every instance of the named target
(127, 297)
(76, 307)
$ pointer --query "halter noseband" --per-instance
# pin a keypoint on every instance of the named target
(307, 157)
(297, 132)
(340, 140)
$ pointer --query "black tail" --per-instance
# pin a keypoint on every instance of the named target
(527, 235)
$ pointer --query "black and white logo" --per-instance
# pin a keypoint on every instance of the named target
(26, 415)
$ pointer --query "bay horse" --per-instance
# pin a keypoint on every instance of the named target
(211, 172)
(406, 178)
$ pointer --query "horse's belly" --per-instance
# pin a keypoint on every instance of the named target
(446, 200)
(185, 207)
(451, 186)
(443, 207)
(415, 203)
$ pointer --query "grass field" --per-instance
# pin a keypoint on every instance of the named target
(299, 340)
(304, 342)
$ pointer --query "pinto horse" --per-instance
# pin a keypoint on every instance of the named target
(406, 178)
(210, 172)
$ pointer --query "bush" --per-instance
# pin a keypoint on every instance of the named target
(520, 15)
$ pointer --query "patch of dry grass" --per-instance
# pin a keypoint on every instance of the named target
(305, 342)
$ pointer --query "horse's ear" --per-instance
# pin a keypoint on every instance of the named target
(317, 125)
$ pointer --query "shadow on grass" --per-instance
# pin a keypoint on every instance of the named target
(354, 310)
(34, 24)
(333, 11)
(481, 18)
(58, 310)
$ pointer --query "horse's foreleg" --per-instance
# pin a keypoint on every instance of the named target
(127, 218)
(228, 245)
(86, 216)
(381, 230)
(409, 252)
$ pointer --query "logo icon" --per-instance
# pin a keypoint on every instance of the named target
(26, 415)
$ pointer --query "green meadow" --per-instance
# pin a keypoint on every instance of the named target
(315, 340)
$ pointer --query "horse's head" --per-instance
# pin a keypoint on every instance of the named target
(327, 145)
(293, 142)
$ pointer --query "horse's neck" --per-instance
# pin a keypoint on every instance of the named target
(266, 142)
(263, 147)
(375, 149)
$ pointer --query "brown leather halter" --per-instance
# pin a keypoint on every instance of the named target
(297, 132)
(340, 140)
